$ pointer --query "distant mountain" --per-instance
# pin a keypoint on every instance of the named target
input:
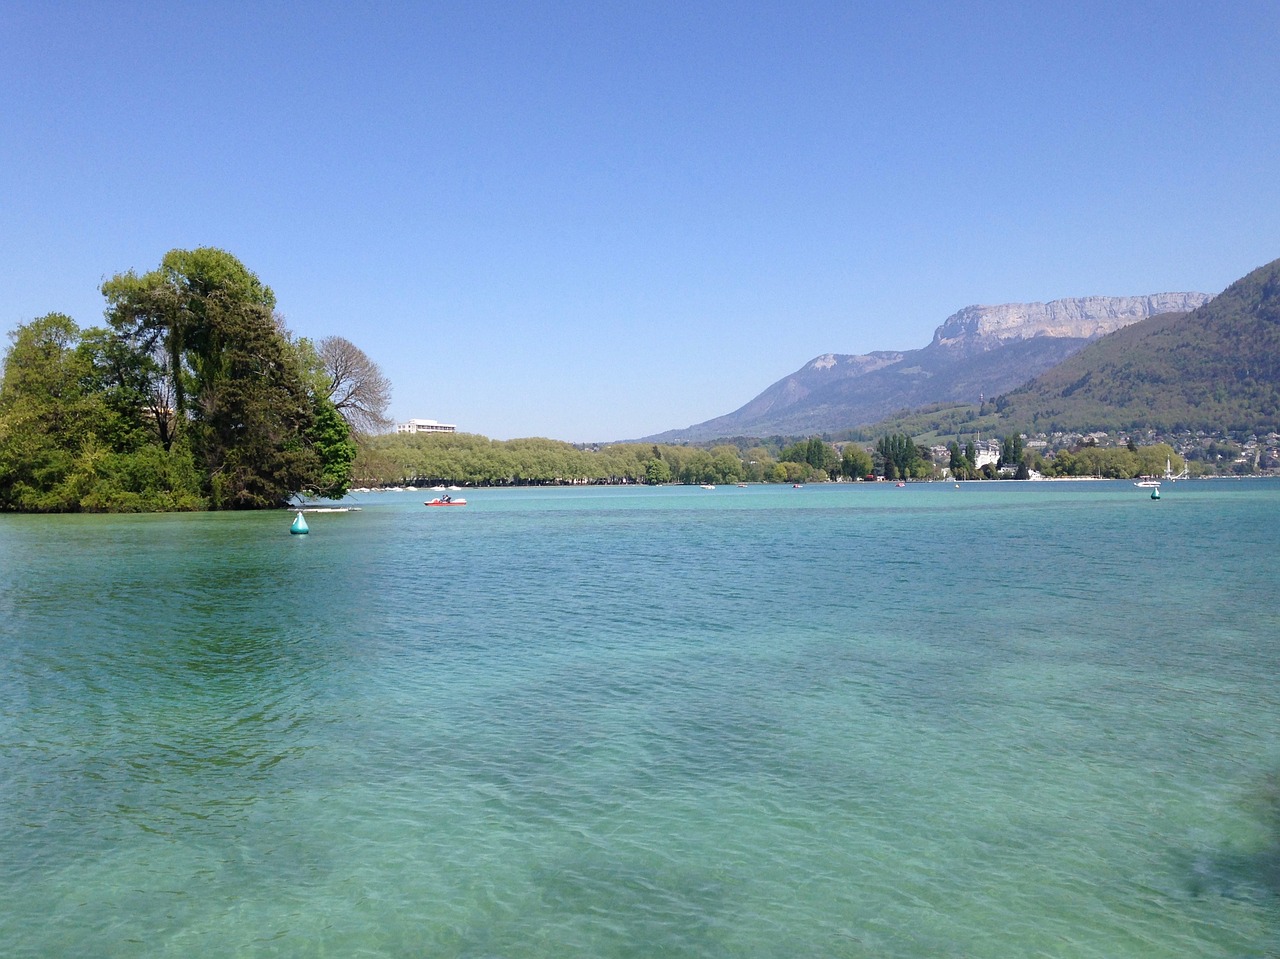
(981, 350)
(1216, 368)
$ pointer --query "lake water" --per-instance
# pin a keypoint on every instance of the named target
(1002, 720)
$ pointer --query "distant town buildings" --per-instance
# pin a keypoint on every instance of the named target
(425, 426)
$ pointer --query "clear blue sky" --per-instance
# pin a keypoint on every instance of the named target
(599, 220)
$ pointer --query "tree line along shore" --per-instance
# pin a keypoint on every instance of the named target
(421, 460)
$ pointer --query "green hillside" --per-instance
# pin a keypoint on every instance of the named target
(1215, 368)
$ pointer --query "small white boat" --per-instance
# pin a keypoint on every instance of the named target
(708, 486)
(1148, 484)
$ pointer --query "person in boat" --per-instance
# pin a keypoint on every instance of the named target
(446, 498)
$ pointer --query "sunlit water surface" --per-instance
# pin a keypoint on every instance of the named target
(1002, 720)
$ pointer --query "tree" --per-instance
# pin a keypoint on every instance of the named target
(759, 464)
(794, 472)
(726, 464)
(237, 388)
(657, 472)
(856, 462)
(132, 387)
(1011, 449)
(330, 436)
(72, 434)
(357, 388)
(46, 415)
(1154, 460)
(816, 455)
(795, 453)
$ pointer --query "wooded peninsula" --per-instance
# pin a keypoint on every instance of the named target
(193, 396)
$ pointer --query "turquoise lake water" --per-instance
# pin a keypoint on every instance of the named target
(1004, 720)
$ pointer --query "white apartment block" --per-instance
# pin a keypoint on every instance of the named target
(425, 426)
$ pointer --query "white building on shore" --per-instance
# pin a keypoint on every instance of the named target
(425, 426)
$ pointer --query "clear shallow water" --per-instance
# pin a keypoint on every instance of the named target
(1002, 720)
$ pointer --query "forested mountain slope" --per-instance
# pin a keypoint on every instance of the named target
(1215, 368)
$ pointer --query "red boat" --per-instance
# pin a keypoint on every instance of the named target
(447, 501)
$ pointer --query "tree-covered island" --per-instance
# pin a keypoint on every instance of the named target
(193, 396)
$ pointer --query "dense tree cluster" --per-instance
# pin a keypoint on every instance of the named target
(467, 459)
(821, 457)
(423, 459)
(427, 459)
(1113, 462)
(193, 396)
(900, 458)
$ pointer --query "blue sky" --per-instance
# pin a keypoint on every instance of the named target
(596, 221)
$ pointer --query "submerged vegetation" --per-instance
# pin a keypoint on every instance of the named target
(193, 396)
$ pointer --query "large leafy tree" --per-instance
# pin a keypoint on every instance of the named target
(46, 414)
(856, 462)
(72, 436)
(331, 438)
(208, 325)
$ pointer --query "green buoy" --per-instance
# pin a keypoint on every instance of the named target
(299, 525)
(1155, 494)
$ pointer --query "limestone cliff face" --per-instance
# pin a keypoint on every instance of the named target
(980, 328)
(855, 365)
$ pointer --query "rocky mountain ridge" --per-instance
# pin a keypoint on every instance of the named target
(979, 328)
(979, 350)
